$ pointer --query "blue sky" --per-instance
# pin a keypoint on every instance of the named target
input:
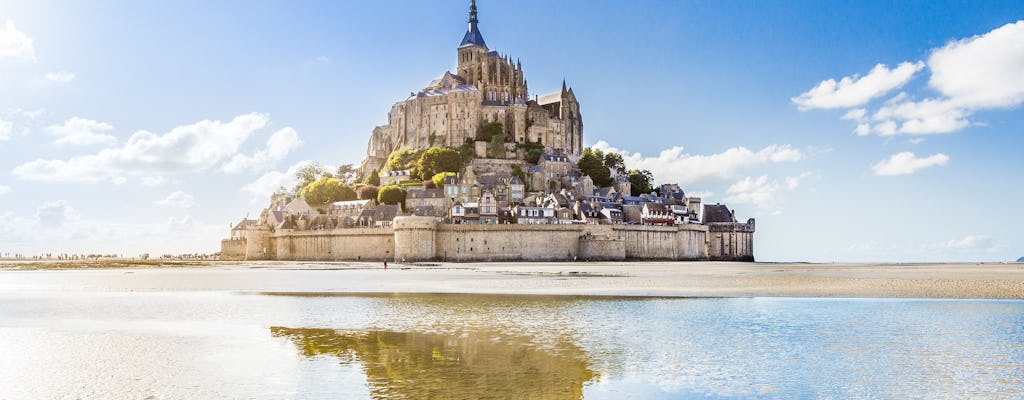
(135, 127)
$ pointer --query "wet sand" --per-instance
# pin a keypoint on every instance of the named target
(675, 279)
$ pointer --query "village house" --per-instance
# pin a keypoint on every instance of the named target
(533, 215)
(488, 208)
(351, 208)
(394, 177)
(657, 214)
(422, 197)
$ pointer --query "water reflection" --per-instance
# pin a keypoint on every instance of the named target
(471, 365)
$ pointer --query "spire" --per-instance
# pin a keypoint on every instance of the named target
(563, 85)
(473, 36)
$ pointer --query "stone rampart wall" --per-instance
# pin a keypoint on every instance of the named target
(335, 245)
(423, 239)
(232, 249)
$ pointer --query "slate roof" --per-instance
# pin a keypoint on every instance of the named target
(421, 193)
(385, 212)
(473, 36)
(245, 223)
(717, 213)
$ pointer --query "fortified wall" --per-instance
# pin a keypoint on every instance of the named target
(424, 239)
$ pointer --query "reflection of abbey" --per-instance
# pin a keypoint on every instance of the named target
(487, 87)
(518, 185)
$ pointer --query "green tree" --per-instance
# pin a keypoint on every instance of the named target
(391, 194)
(614, 162)
(368, 192)
(591, 163)
(517, 171)
(307, 174)
(347, 174)
(373, 179)
(489, 130)
(439, 159)
(497, 146)
(467, 152)
(640, 181)
(438, 178)
(327, 190)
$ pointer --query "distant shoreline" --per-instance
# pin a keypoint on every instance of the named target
(627, 279)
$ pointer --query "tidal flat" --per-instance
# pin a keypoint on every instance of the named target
(517, 331)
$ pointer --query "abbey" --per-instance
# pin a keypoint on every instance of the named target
(486, 87)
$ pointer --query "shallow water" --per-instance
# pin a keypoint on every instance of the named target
(238, 345)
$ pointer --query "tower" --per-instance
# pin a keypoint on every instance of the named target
(472, 50)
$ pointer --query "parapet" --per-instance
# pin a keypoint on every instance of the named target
(414, 222)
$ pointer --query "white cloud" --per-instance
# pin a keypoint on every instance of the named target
(672, 165)
(852, 91)
(60, 76)
(188, 148)
(268, 183)
(982, 71)
(906, 163)
(5, 189)
(6, 128)
(177, 199)
(278, 146)
(759, 192)
(83, 132)
(973, 74)
(15, 43)
(793, 182)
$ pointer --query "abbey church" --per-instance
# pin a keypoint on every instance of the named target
(487, 87)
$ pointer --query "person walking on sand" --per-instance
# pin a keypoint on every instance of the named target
(385, 264)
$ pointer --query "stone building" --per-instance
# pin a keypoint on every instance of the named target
(487, 86)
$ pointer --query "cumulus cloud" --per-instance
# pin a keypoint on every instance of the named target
(852, 91)
(982, 71)
(759, 192)
(673, 165)
(973, 74)
(268, 183)
(188, 148)
(15, 43)
(60, 76)
(82, 131)
(793, 182)
(907, 163)
(177, 199)
(279, 145)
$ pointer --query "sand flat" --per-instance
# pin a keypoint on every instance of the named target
(684, 279)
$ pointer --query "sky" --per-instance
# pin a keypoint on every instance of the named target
(865, 131)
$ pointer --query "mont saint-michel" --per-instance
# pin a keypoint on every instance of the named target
(473, 167)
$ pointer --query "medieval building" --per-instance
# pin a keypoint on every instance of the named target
(487, 86)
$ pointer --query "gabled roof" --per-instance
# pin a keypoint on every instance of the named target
(245, 223)
(717, 213)
(655, 207)
(385, 212)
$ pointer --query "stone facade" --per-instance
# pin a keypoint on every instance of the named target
(486, 87)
